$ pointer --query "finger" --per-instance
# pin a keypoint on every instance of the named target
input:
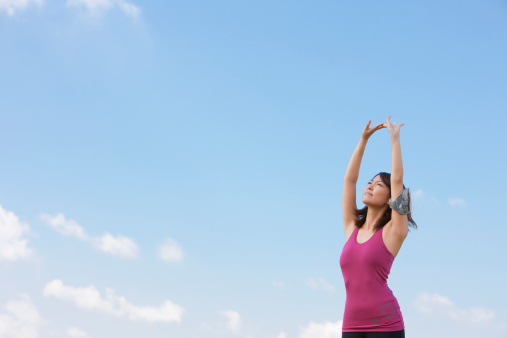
(402, 124)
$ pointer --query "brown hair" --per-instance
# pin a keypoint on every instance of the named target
(360, 214)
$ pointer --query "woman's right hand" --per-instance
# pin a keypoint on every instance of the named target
(367, 131)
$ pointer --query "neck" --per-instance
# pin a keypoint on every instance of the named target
(373, 215)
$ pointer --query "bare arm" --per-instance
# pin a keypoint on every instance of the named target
(399, 221)
(352, 174)
(349, 184)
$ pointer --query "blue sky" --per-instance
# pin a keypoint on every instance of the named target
(174, 169)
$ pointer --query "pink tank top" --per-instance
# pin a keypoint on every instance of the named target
(370, 304)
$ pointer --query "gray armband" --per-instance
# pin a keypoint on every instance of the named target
(402, 203)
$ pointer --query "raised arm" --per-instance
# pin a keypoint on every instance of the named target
(399, 221)
(351, 175)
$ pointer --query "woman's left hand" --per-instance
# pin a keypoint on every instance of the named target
(394, 129)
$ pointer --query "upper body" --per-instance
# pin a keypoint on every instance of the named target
(370, 304)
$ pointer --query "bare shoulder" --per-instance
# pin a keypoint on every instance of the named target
(392, 240)
(349, 229)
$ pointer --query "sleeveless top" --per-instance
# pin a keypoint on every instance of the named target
(370, 304)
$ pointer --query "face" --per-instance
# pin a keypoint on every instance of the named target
(376, 193)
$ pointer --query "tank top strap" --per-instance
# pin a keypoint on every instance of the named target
(352, 238)
(377, 239)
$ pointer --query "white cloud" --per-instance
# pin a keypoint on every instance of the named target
(11, 6)
(170, 251)
(457, 202)
(22, 319)
(322, 330)
(233, 320)
(65, 227)
(90, 298)
(98, 7)
(74, 332)
(319, 284)
(119, 246)
(437, 304)
(13, 244)
(282, 335)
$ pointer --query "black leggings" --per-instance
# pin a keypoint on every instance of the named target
(389, 334)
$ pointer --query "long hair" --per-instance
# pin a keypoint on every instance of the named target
(360, 214)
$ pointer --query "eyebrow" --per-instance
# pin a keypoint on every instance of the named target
(376, 181)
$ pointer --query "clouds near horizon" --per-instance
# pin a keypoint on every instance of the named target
(91, 299)
(13, 243)
(322, 330)
(22, 319)
(118, 246)
(432, 304)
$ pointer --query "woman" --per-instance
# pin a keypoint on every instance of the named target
(373, 238)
